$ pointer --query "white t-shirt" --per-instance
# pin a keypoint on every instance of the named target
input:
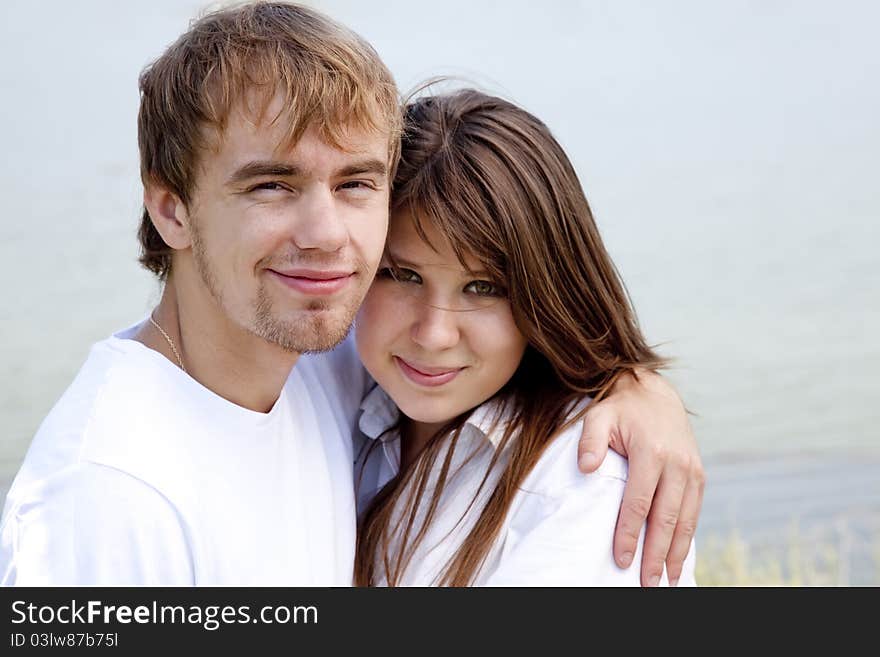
(559, 530)
(140, 475)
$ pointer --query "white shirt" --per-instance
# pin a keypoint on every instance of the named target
(140, 475)
(559, 529)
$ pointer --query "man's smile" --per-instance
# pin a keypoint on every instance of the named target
(313, 282)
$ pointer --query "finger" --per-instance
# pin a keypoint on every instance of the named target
(599, 423)
(663, 519)
(687, 524)
(645, 469)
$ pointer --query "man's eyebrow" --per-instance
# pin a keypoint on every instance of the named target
(372, 165)
(260, 168)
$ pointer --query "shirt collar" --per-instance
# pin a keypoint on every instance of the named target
(380, 413)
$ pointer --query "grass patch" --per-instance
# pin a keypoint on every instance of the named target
(834, 554)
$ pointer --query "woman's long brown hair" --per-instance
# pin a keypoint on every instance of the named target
(492, 180)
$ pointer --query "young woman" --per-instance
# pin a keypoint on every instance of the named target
(496, 316)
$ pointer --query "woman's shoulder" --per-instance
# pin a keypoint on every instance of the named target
(557, 469)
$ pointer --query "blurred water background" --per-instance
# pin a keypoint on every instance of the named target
(730, 152)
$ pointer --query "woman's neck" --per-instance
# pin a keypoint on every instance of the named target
(415, 436)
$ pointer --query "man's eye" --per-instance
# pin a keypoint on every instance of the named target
(484, 289)
(268, 186)
(356, 185)
(400, 275)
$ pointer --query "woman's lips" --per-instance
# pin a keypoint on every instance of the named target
(431, 378)
(313, 283)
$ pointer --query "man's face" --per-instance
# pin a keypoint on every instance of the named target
(287, 242)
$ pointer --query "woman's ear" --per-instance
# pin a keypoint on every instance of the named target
(169, 215)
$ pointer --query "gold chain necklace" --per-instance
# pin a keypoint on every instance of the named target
(170, 343)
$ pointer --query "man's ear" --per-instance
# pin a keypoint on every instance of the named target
(169, 215)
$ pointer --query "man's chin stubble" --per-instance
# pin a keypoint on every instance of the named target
(320, 328)
(313, 335)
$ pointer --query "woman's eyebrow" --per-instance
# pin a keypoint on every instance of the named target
(403, 262)
(397, 260)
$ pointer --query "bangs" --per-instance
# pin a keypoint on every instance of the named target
(447, 196)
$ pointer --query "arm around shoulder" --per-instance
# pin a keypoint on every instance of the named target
(564, 537)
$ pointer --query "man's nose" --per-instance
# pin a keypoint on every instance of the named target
(320, 224)
(435, 328)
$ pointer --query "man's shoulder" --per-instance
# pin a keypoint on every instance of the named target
(88, 524)
(61, 436)
(82, 485)
(104, 411)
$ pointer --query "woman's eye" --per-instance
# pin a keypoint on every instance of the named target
(484, 289)
(400, 275)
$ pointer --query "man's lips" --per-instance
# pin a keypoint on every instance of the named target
(313, 282)
(426, 375)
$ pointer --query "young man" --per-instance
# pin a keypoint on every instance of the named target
(211, 443)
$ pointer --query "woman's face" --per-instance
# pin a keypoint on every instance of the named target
(438, 339)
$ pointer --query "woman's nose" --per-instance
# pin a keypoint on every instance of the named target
(435, 329)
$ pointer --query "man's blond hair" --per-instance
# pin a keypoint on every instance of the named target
(245, 56)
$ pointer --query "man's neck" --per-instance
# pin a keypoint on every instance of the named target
(225, 358)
